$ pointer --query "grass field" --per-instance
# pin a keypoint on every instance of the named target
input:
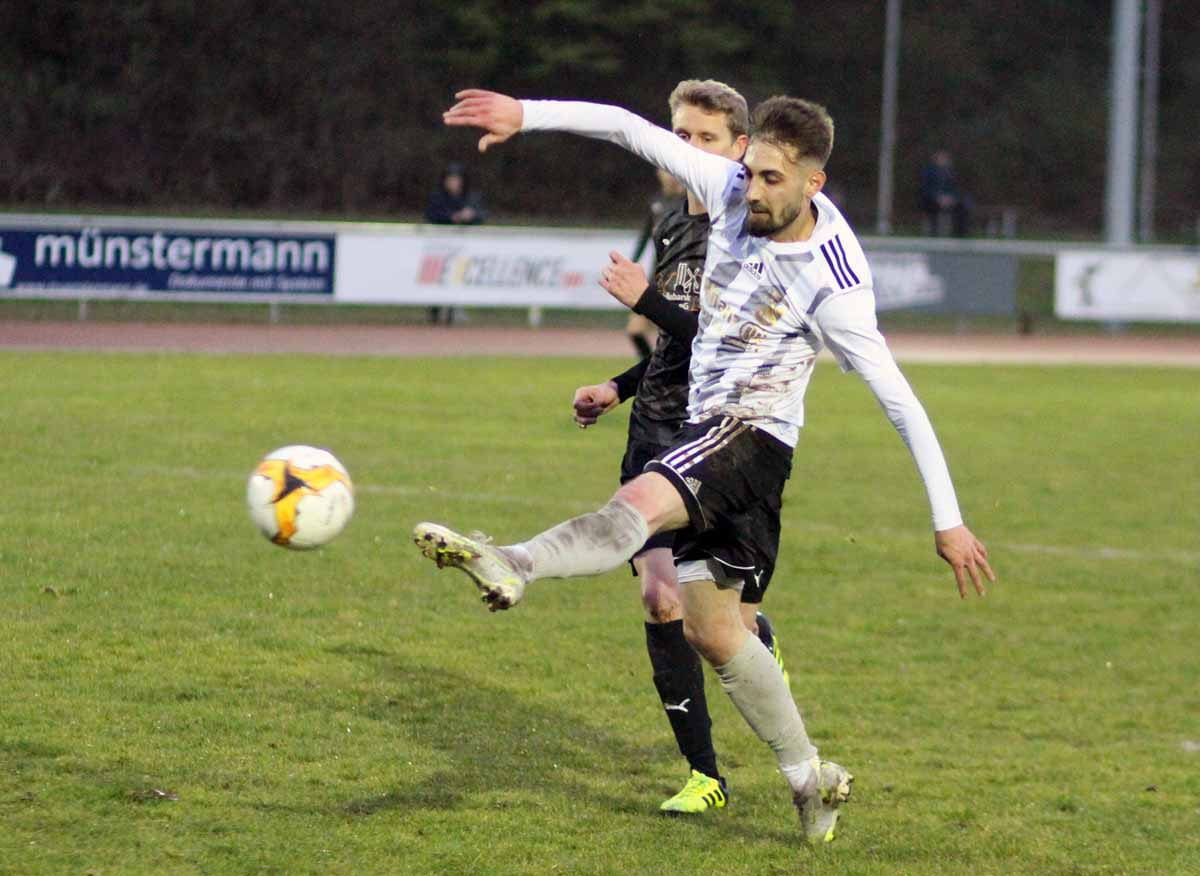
(179, 696)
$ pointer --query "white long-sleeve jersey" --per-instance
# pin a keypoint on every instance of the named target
(768, 308)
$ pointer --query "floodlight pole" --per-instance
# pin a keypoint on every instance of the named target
(1150, 68)
(887, 127)
(1122, 123)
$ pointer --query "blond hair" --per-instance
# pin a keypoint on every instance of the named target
(713, 97)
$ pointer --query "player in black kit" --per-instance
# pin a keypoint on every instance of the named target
(713, 117)
(640, 329)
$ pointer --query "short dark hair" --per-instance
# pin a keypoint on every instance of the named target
(713, 97)
(802, 126)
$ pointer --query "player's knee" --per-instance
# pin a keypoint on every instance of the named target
(660, 599)
(653, 496)
(662, 612)
(702, 637)
(715, 641)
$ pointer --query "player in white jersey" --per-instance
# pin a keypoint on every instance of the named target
(714, 117)
(784, 277)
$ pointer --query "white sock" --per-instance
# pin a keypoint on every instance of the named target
(755, 684)
(585, 545)
(801, 777)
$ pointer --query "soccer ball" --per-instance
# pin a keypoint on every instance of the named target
(300, 497)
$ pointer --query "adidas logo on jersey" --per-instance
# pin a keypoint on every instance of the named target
(693, 484)
(755, 267)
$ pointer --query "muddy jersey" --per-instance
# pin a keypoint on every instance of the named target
(680, 245)
(767, 308)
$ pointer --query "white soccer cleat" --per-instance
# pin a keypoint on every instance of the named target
(819, 804)
(500, 584)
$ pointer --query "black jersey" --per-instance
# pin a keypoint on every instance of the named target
(659, 207)
(680, 245)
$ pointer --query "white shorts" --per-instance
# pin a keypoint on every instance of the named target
(709, 569)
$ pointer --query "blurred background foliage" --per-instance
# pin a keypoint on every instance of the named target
(333, 110)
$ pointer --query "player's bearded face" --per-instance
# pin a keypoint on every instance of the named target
(765, 221)
(780, 190)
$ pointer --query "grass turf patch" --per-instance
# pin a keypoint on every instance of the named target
(181, 696)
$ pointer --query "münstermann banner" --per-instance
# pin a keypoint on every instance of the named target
(102, 259)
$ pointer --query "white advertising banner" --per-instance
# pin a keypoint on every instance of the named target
(534, 267)
(1149, 286)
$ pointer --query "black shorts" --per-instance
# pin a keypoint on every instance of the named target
(647, 439)
(730, 476)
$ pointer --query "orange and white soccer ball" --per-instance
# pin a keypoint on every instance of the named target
(300, 497)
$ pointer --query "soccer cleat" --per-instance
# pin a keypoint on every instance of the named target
(698, 794)
(766, 635)
(819, 804)
(500, 584)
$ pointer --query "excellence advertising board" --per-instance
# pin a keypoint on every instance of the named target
(494, 267)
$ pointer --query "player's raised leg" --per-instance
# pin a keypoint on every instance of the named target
(585, 545)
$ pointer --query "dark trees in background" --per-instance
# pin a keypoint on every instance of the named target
(334, 109)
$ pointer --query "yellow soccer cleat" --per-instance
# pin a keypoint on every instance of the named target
(698, 794)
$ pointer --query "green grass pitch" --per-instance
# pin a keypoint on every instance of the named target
(179, 696)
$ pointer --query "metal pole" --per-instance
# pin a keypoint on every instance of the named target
(1122, 123)
(1150, 68)
(887, 138)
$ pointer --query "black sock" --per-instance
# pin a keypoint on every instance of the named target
(641, 345)
(679, 677)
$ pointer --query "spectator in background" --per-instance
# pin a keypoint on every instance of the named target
(453, 202)
(641, 330)
(946, 208)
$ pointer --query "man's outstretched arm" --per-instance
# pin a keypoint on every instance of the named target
(848, 324)
(712, 178)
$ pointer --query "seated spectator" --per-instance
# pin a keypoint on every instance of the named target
(946, 208)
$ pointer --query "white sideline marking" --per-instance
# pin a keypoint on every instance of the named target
(575, 507)
(1097, 552)
(497, 498)
(1108, 553)
(1085, 552)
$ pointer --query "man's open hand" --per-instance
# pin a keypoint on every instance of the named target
(498, 114)
(967, 557)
